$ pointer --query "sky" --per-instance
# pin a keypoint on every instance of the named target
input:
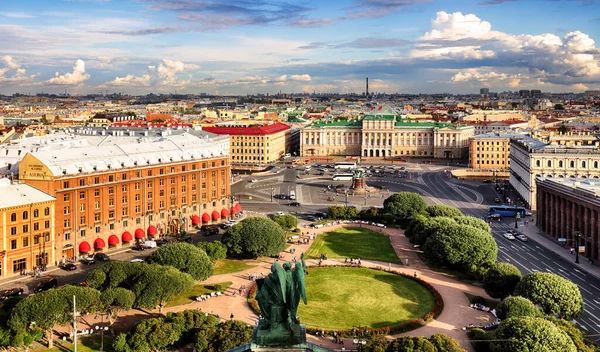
(268, 46)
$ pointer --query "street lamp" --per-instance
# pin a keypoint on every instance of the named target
(517, 217)
(272, 190)
(577, 234)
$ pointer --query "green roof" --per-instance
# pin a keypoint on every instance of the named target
(336, 123)
(381, 116)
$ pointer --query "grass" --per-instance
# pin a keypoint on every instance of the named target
(341, 298)
(228, 266)
(197, 290)
(354, 242)
(487, 302)
(85, 344)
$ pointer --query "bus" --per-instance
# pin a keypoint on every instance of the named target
(343, 176)
(506, 210)
(345, 165)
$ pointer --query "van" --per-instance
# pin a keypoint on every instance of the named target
(292, 195)
(288, 155)
(149, 244)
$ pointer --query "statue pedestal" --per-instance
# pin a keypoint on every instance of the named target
(278, 335)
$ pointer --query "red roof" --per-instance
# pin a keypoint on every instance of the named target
(249, 130)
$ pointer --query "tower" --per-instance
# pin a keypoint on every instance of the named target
(367, 90)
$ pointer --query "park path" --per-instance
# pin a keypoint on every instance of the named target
(455, 315)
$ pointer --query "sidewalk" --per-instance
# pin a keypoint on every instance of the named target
(535, 234)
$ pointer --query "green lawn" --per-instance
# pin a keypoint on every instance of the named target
(354, 242)
(228, 266)
(340, 298)
(198, 290)
(84, 344)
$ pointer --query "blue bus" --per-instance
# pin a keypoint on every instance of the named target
(506, 210)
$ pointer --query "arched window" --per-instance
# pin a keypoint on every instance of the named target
(538, 163)
(595, 164)
(25, 215)
(560, 163)
(571, 163)
(583, 164)
(36, 213)
(13, 217)
(46, 211)
(549, 163)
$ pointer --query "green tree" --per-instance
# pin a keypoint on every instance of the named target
(555, 294)
(526, 334)
(216, 249)
(229, 334)
(429, 227)
(445, 343)
(411, 344)
(154, 334)
(156, 285)
(254, 237)
(186, 257)
(286, 221)
(377, 343)
(501, 280)
(559, 107)
(461, 246)
(581, 340)
(403, 205)
(443, 210)
(474, 222)
(516, 306)
(116, 300)
(45, 309)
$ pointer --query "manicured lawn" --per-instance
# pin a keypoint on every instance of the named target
(84, 344)
(340, 298)
(198, 290)
(354, 242)
(227, 266)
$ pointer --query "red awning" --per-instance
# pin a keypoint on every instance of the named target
(224, 213)
(152, 230)
(98, 243)
(84, 247)
(205, 217)
(232, 211)
(216, 215)
(238, 207)
(126, 237)
(113, 240)
(195, 220)
(139, 234)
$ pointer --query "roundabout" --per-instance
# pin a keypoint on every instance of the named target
(342, 298)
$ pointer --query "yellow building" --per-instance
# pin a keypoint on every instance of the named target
(491, 151)
(27, 228)
(256, 145)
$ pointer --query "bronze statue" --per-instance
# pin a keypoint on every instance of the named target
(278, 297)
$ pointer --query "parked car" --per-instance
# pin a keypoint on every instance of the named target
(253, 180)
(46, 285)
(280, 213)
(210, 230)
(508, 236)
(11, 292)
(101, 257)
(294, 204)
(88, 261)
(497, 200)
(137, 260)
(311, 218)
(320, 214)
(521, 237)
(149, 244)
(187, 239)
(139, 247)
(69, 267)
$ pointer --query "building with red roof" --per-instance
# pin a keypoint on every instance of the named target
(256, 145)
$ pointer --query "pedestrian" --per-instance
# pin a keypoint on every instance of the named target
(231, 316)
(591, 260)
(415, 274)
(572, 250)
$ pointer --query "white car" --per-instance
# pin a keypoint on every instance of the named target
(508, 236)
(137, 260)
(253, 180)
(280, 213)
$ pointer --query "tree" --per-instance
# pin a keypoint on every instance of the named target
(154, 334)
(115, 300)
(215, 250)
(443, 210)
(46, 309)
(254, 237)
(338, 212)
(516, 306)
(581, 340)
(377, 343)
(525, 334)
(156, 285)
(461, 246)
(185, 257)
(429, 227)
(403, 205)
(411, 344)
(554, 294)
(445, 343)
(559, 107)
(230, 334)
(286, 221)
(501, 280)
(474, 222)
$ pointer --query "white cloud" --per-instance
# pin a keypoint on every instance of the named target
(473, 75)
(167, 74)
(18, 77)
(73, 78)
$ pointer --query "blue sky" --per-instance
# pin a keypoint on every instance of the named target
(264, 46)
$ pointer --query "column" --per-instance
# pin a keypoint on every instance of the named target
(563, 225)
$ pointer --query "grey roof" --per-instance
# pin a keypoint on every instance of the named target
(20, 194)
(534, 144)
(496, 135)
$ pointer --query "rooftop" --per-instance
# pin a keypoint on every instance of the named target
(249, 130)
(20, 194)
(586, 186)
(495, 135)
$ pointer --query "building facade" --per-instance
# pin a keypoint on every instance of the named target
(385, 135)
(569, 205)
(255, 145)
(27, 227)
(128, 187)
(531, 159)
(491, 151)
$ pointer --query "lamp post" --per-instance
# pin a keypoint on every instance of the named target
(517, 217)
(272, 190)
(577, 234)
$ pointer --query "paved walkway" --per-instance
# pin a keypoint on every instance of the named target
(455, 315)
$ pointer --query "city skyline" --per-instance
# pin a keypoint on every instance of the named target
(216, 47)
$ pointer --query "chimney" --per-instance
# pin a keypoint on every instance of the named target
(367, 91)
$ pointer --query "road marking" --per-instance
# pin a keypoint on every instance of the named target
(577, 270)
(586, 290)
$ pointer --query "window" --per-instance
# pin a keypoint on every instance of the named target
(123, 176)
(13, 245)
(82, 220)
(111, 202)
(66, 210)
(560, 163)
(13, 217)
(67, 236)
(149, 184)
(194, 177)
(67, 223)
(183, 179)
(97, 217)
(96, 192)
(47, 224)
(82, 233)
(111, 214)
(19, 264)
(137, 197)
(137, 210)
(172, 180)
(13, 230)
(124, 188)
(583, 164)
(161, 193)
(36, 239)
(149, 172)
(549, 163)
(96, 205)
(137, 185)
(41, 259)
(538, 163)
(149, 195)
(161, 171)
(124, 200)
(96, 180)
(65, 197)
(111, 190)
(82, 207)
(65, 184)
(25, 241)
(572, 163)
(124, 212)
(82, 182)
(111, 178)
(36, 226)
(161, 182)
(81, 195)
(25, 215)
(36, 213)
(183, 168)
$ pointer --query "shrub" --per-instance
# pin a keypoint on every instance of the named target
(254, 237)
(525, 334)
(479, 340)
(185, 257)
(215, 250)
(403, 205)
(443, 210)
(501, 280)
(555, 294)
(516, 306)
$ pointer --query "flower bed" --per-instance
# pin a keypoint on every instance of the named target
(363, 331)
